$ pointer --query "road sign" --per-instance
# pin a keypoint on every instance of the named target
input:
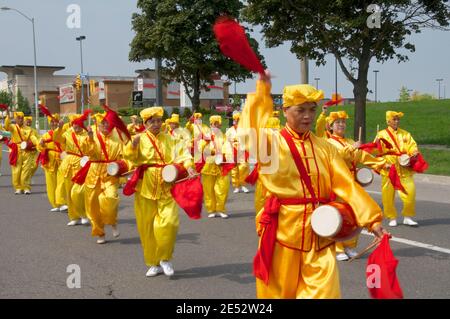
(137, 96)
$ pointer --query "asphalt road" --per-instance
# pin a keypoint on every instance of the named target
(213, 257)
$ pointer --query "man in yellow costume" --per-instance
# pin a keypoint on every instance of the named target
(217, 152)
(241, 171)
(50, 160)
(292, 261)
(23, 161)
(100, 189)
(402, 143)
(156, 211)
(72, 141)
(348, 149)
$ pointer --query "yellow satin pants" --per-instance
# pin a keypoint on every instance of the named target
(23, 171)
(239, 174)
(388, 197)
(296, 274)
(51, 182)
(157, 223)
(75, 199)
(215, 192)
(60, 190)
(101, 205)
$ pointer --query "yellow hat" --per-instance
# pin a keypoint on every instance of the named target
(28, 118)
(18, 114)
(73, 117)
(150, 112)
(391, 114)
(300, 93)
(276, 113)
(236, 116)
(99, 117)
(54, 117)
(198, 115)
(335, 116)
(273, 122)
(215, 119)
(174, 119)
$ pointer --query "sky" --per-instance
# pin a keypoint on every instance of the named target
(107, 26)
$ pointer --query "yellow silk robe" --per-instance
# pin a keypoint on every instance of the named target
(241, 171)
(303, 264)
(156, 211)
(403, 143)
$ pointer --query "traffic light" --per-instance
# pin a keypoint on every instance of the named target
(92, 87)
(78, 82)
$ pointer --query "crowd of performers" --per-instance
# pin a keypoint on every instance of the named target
(292, 261)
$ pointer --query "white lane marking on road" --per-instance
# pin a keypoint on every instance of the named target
(414, 243)
(373, 192)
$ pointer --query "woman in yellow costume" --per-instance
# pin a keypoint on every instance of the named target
(348, 149)
(72, 140)
(402, 143)
(241, 171)
(156, 211)
(197, 130)
(23, 162)
(216, 181)
(50, 160)
(292, 261)
(100, 189)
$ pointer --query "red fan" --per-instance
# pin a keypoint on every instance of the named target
(333, 102)
(234, 44)
(189, 196)
(115, 122)
(45, 110)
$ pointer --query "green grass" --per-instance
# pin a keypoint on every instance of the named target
(438, 161)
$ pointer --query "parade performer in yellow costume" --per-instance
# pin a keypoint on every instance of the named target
(216, 181)
(348, 149)
(292, 261)
(23, 161)
(402, 143)
(29, 122)
(241, 171)
(71, 141)
(100, 189)
(50, 160)
(156, 211)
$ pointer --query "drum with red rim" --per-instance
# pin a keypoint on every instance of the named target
(364, 176)
(335, 221)
(172, 172)
(84, 161)
(404, 160)
(26, 146)
(116, 168)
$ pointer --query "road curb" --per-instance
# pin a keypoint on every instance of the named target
(432, 179)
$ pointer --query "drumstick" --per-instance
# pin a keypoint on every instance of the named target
(360, 134)
(372, 245)
(378, 128)
(186, 178)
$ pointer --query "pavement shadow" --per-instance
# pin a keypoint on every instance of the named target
(129, 221)
(239, 273)
(188, 238)
(128, 241)
(241, 215)
(420, 252)
(434, 221)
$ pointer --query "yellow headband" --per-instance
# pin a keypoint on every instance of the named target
(391, 114)
(174, 119)
(55, 117)
(215, 119)
(336, 116)
(236, 116)
(18, 114)
(99, 117)
(299, 94)
(197, 115)
(27, 118)
(150, 112)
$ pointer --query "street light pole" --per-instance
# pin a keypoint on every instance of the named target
(36, 97)
(81, 38)
(317, 82)
(439, 90)
(376, 72)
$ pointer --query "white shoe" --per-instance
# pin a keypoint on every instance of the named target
(115, 232)
(393, 223)
(212, 215)
(18, 192)
(167, 268)
(153, 271)
(244, 189)
(236, 190)
(27, 192)
(350, 252)
(63, 208)
(223, 215)
(54, 209)
(408, 221)
(73, 222)
(84, 221)
(341, 257)
(101, 240)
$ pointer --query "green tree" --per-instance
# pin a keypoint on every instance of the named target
(349, 32)
(404, 94)
(6, 98)
(22, 103)
(180, 33)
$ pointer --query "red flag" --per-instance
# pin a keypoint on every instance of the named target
(253, 176)
(395, 179)
(418, 163)
(382, 280)
(234, 44)
(115, 121)
(45, 110)
(189, 196)
(333, 102)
